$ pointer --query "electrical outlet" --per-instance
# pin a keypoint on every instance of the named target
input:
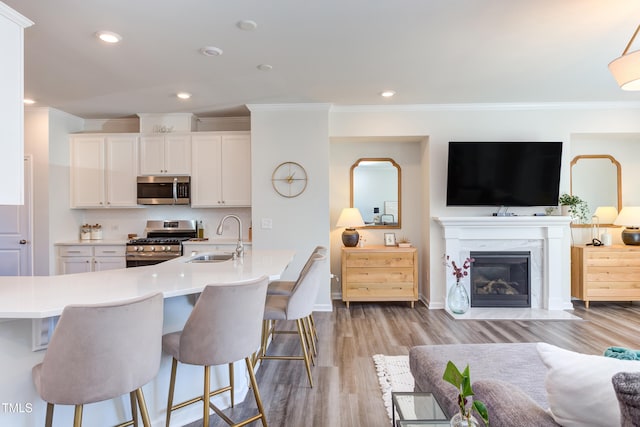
(267, 224)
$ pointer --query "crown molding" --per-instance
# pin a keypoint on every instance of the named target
(485, 107)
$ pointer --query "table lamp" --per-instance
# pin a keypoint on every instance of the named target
(350, 218)
(630, 218)
(606, 214)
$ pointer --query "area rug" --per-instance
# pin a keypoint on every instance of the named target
(393, 375)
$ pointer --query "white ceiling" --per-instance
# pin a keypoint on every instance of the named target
(343, 52)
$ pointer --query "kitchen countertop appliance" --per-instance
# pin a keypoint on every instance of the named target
(162, 242)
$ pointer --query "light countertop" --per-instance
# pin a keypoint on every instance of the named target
(46, 296)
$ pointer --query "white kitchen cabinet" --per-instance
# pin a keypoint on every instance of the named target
(12, 26)
(166, 154)
(221, 169)
(85, 258)
(104, 170)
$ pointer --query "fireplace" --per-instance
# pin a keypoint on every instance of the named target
(500, 279)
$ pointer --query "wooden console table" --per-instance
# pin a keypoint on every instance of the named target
(605, 273)
(379, 273)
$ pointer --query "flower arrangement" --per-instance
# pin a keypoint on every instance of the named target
(462, 382)
(459, 271)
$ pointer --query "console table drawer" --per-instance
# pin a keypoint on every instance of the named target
(379, 259)
(379, 273)
(605, 273)
(380, 292)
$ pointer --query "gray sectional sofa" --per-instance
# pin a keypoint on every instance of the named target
(508, 378)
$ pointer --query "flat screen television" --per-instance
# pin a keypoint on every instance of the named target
(503, 173)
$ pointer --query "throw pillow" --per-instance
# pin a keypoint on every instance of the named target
(579, 388)
(627, 387)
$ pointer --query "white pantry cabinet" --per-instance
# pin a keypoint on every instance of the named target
(165, 154)
(12, 26)
(221, 169)
(85, 258)
(104, 170)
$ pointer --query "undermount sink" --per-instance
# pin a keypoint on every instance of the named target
(212, 258)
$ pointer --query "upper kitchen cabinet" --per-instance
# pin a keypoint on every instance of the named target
(221, 169)
(12, 26)
(104, 170)
(165, 154)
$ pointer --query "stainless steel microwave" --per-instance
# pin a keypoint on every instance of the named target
(164, 190)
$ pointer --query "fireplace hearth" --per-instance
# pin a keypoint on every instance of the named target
(500, 279)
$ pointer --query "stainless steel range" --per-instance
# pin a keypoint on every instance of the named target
(162, 242)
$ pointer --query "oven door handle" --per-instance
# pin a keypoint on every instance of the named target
(175, 190)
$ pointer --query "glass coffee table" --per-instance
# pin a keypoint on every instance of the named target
(416, 408)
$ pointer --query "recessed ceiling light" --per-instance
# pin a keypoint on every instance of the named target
(388, 93)
(109, 37)
(28, 101)
(264, 67)
(247, 25)
(211, 51)
(183, 95)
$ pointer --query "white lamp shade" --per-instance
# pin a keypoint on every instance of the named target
(350, 218)
(629, 217)
(626, 70)
(606, 214)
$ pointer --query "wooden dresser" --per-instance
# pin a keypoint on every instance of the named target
(379, 273)
(605, 273)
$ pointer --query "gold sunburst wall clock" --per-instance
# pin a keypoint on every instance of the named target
(289, 179)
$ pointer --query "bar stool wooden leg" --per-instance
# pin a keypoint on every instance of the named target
(172, 384)
(231, 383)
(146, 421)
(205, 397)
(77, 416)
(256, 392)
(48, 422)
(134, 408)
(304, 350)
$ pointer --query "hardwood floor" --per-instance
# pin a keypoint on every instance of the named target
(346, 391)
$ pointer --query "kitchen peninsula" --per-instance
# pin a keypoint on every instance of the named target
(39, 297)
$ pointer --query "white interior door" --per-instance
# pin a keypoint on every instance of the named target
(16, 250)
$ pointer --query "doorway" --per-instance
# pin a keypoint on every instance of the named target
(16, 249)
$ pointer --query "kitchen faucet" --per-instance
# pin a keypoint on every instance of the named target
(240, 247)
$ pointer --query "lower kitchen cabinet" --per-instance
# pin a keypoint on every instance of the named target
(84, 258)
(379, 273)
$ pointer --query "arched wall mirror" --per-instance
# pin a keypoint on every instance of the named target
(596, 179)
(375, 191)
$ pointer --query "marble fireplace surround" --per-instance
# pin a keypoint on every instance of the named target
(547, 238)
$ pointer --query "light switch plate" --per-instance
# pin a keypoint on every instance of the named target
(267, 224)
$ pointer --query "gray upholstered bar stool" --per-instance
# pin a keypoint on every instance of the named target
(285, 287)
(102, 351)
(223, 327)
(296, 306)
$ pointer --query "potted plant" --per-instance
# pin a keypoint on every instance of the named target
(462, 381)
(576, 207)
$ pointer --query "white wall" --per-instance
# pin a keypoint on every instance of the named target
(445, 123)
(344, 153)
(298, 133)
(46, 139)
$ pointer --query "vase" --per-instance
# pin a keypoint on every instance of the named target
(459, 421)
(458, 298)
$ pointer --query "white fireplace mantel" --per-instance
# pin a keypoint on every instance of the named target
(547, 237)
